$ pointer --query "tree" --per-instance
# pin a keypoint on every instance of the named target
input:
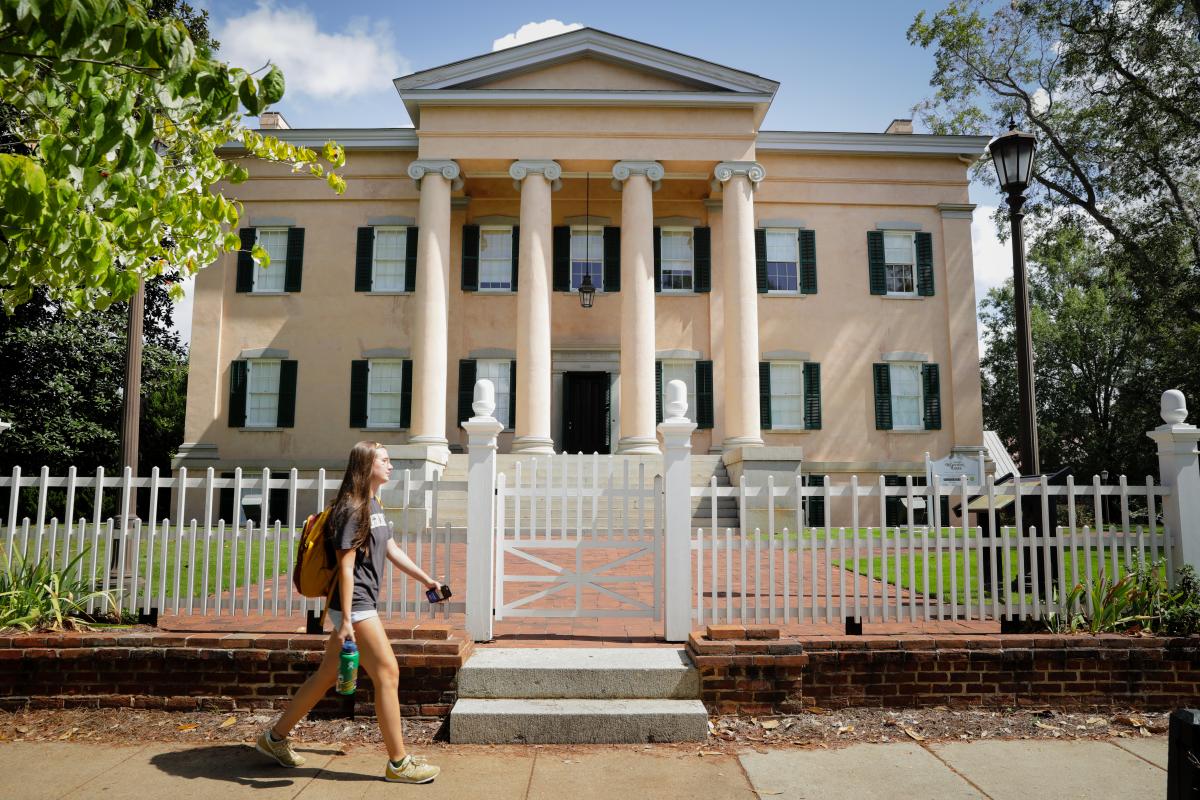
(108, 167)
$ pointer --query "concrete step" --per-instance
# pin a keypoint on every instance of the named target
(581, 673)
(570, 721)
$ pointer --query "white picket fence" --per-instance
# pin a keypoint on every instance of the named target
(794, 572)
(211, 566)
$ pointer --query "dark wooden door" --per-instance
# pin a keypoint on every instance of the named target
(585, 412)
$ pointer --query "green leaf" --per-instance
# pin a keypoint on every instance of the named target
(33, 178)
(260, 256)
(270, 90)
(248, 94)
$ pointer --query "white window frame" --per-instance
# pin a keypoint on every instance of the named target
(799, 366)
(277, 267)
(257, 365)
(915, 366)
(403, 278)
(794, 233)
(691, 233)
(587, 230)
(503, 367)
(373, 391)
(483, 231)
(912, 264)
(689, 380)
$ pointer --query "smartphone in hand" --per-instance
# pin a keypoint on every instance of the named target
(437, 595)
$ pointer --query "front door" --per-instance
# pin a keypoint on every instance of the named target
(585, 412)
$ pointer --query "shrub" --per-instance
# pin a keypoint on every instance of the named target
(34, 596)
(1139, 600)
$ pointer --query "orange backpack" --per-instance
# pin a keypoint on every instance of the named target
(316, 570)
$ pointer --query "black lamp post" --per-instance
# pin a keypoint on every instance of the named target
(1012, 155)
(587, 292)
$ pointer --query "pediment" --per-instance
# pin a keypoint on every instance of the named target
(589, 73)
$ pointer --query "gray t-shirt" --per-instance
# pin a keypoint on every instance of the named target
(368, 566)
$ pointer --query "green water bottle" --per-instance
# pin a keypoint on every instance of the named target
(347, 678)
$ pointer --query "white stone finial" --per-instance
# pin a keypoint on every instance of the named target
(677, 399)
(485, 398)
(1173, 407)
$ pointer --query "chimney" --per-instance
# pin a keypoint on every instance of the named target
(273, 120)
(900, 126)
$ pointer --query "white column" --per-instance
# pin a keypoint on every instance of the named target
(637, 180)
(436, 179)
(742, 421)
(1179, 469)
(676, 431)
(535, 180)
(482, 430)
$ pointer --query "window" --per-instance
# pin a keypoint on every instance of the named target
(391, 246)
(787, 395)
(499, 372)
(782, 258)
(899, 260)
(587, 257)
(495, 259)
(677, 260)
(906, 396)
(262, 393)
(271, 279)
(680, 371)
(384, 385)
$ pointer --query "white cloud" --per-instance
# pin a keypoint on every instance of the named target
(181, 312)
(993, 258)
(315, 63)
(532, 31)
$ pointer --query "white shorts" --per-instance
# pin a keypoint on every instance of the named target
(335, 616)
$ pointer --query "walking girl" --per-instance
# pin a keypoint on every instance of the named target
(359, 534)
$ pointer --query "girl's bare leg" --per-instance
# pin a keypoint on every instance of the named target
(312, 690)
(377, 658)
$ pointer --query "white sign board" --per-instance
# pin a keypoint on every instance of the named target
(952, 468)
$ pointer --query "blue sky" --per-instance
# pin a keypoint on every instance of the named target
(841, 67)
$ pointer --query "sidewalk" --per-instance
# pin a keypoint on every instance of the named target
(1003, 770)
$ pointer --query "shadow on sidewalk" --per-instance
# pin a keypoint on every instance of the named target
(240, 764)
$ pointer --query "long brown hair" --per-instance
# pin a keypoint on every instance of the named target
(353, 501)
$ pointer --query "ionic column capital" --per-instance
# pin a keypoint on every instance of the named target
(653, 171)
(549, 169)
(448, 169)
(753, 171)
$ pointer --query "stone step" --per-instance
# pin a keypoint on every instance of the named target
(571, 721)
(581, 673)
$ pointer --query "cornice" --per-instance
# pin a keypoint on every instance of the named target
(349, 138)
(912, 144)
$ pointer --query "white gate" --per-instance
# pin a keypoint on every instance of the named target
(573, 539)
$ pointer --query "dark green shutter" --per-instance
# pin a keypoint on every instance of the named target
(702, 248)
(812, 396)
(658, 391)
(411, 238)
(406, 393)
(764, 395)
(512, 395)
(933, 397)
(883, 397)
(612, 259)
(225, 512)
(359, 378)
(808, 262)
(295, 260)
(245, 264)
(237, 394)
(561, 247)
(466, 389)
(364, 257)
(287, 395)
(704, 394)
(876, 264)
(816, 504)
(658, 266)
(516, 254)
(760, 259)
(470, 258)
(925, 264)
(894, 510)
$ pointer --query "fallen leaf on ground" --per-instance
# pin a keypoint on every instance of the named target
(1046, 727)
(916, 737)
(845, 729)
(770, 724)
(1095, 720)
(228, 722)
(67, 735)
(190, 726)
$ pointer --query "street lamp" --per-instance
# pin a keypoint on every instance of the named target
(1012, 155)
(587, 291)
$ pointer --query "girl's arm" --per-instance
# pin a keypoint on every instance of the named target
(345, 590)
(406, 565)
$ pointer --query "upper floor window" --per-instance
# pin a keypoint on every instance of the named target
(783, 258)
(272, 278)
(391, 247)
(587, 256)
(899, 254)
(495, 259)
(677, 259)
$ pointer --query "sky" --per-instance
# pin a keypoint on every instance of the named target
(841, 66)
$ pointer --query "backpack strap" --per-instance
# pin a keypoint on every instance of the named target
(328, 597)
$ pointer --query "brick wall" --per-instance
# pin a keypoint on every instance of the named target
(215, 671)
(752, 670)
